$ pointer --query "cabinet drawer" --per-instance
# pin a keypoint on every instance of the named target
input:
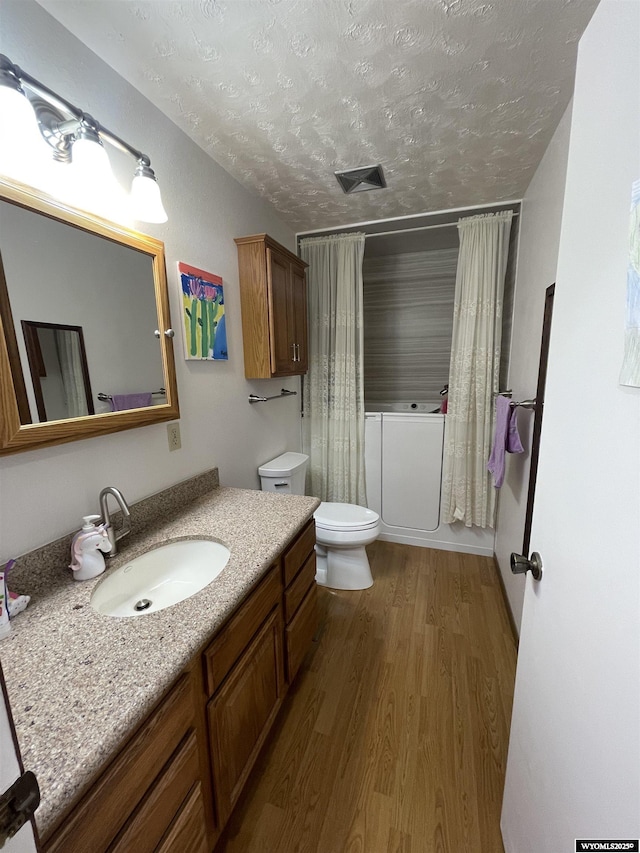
(297, 590)
(187, 833)
(112, 799)
(163, 801)
(238, 631)
(299, 633)
(295, 557)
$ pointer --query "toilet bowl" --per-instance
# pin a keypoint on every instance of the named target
(342, 530)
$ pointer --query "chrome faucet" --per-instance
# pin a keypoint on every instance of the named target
(114, 536)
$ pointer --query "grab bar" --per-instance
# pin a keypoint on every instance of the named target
(255, 398)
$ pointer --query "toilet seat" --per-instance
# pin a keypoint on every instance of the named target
(342, 517)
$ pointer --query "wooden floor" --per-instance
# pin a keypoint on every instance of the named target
(393, 739)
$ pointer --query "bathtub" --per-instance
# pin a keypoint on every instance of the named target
(405, 407)
(403, 470)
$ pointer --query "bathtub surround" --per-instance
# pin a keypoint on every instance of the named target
(334, 386)
(408, 321)
(403, 452)
(467, 494)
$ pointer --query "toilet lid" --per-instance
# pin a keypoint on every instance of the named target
(338, 516)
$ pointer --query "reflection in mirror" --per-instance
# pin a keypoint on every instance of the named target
(59, 371)
(85, 330)
(82, 280)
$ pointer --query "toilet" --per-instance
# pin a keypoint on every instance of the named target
(342, 530)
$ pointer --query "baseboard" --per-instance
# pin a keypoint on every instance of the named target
(438, 544)
(505, 598)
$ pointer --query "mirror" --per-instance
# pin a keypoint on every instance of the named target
(81, 303)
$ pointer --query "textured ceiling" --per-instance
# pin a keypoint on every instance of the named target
(457, 99)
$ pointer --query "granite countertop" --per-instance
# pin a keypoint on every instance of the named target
(80, 682)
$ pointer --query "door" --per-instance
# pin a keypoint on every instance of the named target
(242, 711)
(573, 770)
(280, 317)
(10, 770)
(411, 470)
(537, 422)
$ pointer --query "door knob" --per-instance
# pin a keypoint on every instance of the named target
(520, 565)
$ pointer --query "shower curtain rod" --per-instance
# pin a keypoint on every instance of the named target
(419, 228)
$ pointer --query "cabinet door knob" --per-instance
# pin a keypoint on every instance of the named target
(168, 333)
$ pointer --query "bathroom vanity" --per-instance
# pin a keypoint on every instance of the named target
(143, 731)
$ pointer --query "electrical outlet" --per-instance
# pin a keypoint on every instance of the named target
(173, 434)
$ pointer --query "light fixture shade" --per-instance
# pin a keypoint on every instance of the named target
(91, 162)
(92, 185)
(146, 201)
(24, 154)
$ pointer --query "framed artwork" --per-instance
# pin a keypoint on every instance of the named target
(203, 319)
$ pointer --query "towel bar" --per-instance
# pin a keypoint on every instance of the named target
(105, 397)
(255, 398)
(524, 404)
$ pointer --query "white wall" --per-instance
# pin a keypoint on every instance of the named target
(540, 220)
(573, 769)
(43, 494)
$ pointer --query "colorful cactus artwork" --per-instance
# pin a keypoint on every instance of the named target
(205, 334)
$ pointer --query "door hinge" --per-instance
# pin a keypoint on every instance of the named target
(17, 805)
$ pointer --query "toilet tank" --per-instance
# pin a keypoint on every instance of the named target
(286, 473)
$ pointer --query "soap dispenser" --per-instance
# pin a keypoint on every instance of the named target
(86, 547)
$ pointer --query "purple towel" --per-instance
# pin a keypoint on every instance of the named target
(120, 402)
(506, 439)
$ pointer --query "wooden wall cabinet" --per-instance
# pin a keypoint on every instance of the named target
(173, 785)
(273, 299)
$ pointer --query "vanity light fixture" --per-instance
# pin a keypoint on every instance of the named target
(46, 141)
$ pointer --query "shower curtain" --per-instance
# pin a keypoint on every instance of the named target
(467, 493)
(70, 357)
(333, 394)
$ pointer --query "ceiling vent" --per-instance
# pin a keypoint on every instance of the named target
(362, 179)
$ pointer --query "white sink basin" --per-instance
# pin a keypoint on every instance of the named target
(160, 578)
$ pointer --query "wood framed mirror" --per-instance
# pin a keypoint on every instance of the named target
(85, 301)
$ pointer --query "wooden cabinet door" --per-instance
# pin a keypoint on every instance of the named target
(187, 833)
(241, 713)
(300, 632)
(280, 316)
(299, 309)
